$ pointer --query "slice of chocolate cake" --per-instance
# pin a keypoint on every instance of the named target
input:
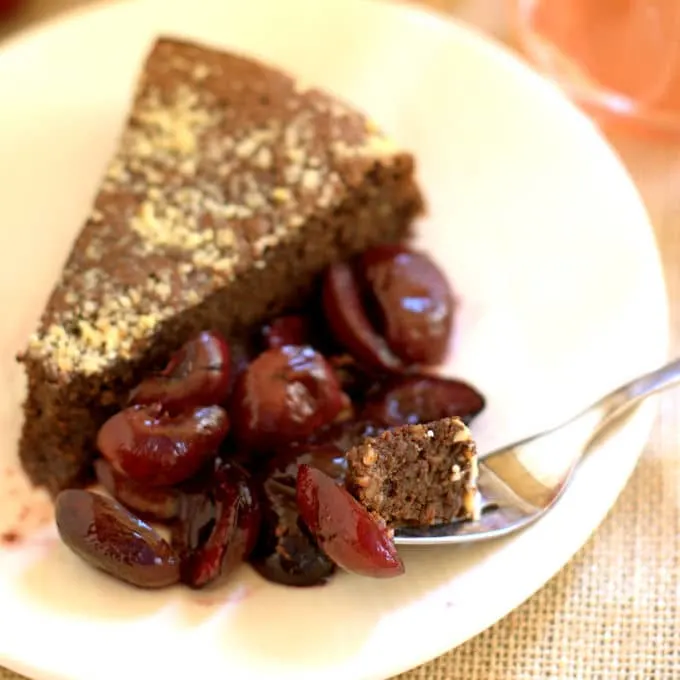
(416, 474)
(232, 188)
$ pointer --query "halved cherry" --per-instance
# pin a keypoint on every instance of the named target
(422, 399)
(108, 536)
(149, 502)
(154, 448)
(217, 530)
(415, 302)
(286, 552)
(346, 316)
(344, 529)
(284, 395)
(197, 375)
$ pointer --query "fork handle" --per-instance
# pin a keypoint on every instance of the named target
(627, 396)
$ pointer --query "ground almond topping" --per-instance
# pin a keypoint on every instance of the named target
(201, 182)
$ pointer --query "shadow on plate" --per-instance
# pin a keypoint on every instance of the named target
(327, 625)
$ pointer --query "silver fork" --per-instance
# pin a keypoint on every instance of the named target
(521, 482)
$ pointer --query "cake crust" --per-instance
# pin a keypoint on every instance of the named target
(232, 188)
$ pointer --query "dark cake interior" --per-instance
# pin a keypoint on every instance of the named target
(416, 474)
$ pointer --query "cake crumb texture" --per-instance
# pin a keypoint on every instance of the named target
(417, 474)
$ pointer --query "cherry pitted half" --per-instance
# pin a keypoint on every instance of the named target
(154, 448)
(218, 528)
(287, 554)
(149, 502)
(286, 394)
(414, 302)
(409, 400)
(197, 375)
(348, 319)
(109, 537)
(343, 528)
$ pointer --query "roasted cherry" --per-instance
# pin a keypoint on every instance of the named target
(108, 536)
(284, 395)
(197, 375)
(343, 528)
(217, 529)
(149, 502)
(287, 330)
(286, 553)
(414, 300)
(422, 399)
(156, 449)
(346, 316)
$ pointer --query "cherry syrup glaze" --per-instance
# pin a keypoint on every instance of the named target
(240, 447)
(346, 315)
(27, 510)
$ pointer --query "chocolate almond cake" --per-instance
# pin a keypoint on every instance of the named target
(416, 474)
(232, 188)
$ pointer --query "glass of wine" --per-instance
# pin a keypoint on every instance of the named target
(620, 59)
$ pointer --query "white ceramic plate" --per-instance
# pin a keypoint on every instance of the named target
(538, 225)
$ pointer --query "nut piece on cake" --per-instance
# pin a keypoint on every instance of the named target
(232, 188)
(417, 474)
